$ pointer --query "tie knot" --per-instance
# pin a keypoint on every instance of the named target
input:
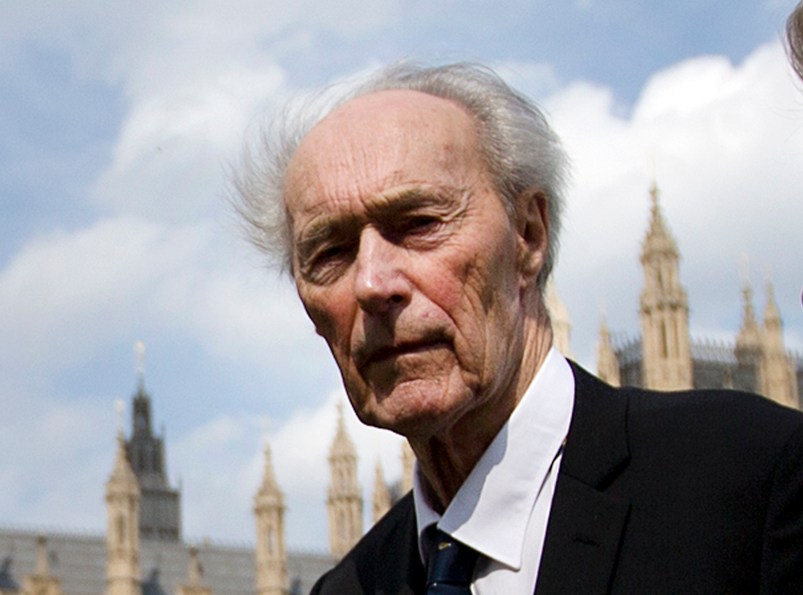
(450, 567)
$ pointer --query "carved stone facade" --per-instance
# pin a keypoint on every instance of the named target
(382, 497)
(559, 317)
(136, 558)
(194, 584)
(344, 503)
(160, 505)
(408, 465)
(665, 357)
(664, 309)
(607, 362)
(271, 554)
(122, 531)
(776, 369)
(41, 582)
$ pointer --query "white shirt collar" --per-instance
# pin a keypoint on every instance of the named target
(491, 509)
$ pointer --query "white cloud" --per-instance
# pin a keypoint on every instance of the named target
(300, 451)
(65, 294)
(221, 465)
(59, 451)
(69, 296)
(213, 462)
(725, 140)
(171, 156)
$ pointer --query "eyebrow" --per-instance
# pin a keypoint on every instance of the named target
(382, 206)
(320, 231)
(410, 199)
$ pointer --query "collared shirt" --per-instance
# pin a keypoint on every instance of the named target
(502, 508)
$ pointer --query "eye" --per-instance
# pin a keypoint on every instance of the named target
(422, 223)
(329, 253)
(324, 264)
(415, 227)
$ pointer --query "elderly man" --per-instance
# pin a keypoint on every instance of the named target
(419, 218)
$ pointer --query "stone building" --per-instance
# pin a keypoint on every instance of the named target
(123, 496)
(160, 505)
(144, 553)
(147, 556)
(271, 554)
(344, 503)
(664, 356)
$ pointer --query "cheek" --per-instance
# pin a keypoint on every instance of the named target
(330, 317)
(488, 283)
(490, 306)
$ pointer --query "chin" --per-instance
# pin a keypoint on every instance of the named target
(410, 413)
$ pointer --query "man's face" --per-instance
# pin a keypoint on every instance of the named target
(406, 260)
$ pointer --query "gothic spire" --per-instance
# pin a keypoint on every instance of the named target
(195, 572)
(122, 479)
(559, 317)
(408, 467)
(666, 347)
(342, 444)
(160, 514)
(122, 539)
(139, 358)
(344, 502)
(269, 492)
(659, 239)
(777, 377)
(41, 582)
(607, 362)
(772, 315)
(382, 499)
(271, 555)
(749, 337)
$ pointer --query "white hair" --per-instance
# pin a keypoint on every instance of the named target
(521, 152)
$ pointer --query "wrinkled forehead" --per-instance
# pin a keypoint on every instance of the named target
(369, 139)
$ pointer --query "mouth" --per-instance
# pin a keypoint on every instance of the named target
(367, 356)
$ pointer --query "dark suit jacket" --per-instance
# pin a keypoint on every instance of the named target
(690, 492)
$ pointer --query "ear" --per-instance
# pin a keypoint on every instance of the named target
(532, 228)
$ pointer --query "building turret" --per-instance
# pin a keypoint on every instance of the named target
(382, 499)
(607, 362)
(664, 309)
(748, 341)
(41, 583)
(345, 500)
(122, 532)
(271, 555)
(748, 346)
(777, 372)
(160, 506)
(195, 572)
(559, 317)
(408, 467)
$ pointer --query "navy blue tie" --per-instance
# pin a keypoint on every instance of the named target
(450, 567)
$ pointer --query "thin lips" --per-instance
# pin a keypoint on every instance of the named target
(367, 356)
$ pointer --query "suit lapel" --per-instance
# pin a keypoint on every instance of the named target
(585, 524)
(398, 569)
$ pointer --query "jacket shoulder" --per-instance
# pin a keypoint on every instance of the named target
(386, 559)
(717, 413)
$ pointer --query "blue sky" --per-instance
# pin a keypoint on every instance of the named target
(117, 125)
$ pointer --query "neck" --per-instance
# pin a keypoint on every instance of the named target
(446, 459)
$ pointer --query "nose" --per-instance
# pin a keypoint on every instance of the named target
(381, 283)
